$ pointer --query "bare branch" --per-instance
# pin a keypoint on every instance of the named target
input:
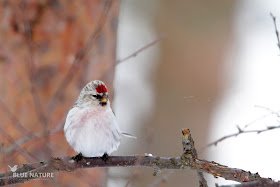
(271, 112)
(186, 161)
(32, 137)
(15, 121)
(134, 54)
(29, 157)
(268, 109)
(254, 121)
(276, 30)
(242, 131)
(67, 164)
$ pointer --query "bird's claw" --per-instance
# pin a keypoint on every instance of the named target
(78, 157)
(105, 157)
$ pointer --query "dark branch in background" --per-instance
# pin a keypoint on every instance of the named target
(187, 161)
(276, 30)
(79, 58)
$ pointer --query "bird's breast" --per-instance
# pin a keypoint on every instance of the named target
(95, 117)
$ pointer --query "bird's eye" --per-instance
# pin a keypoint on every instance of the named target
(97, 96)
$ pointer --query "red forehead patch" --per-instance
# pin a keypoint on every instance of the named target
(101, 89)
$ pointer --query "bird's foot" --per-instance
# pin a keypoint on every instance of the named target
(105, 157)
(78, 157)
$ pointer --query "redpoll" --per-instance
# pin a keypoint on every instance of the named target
(91, 127)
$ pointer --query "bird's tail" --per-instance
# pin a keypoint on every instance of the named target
(128, 135)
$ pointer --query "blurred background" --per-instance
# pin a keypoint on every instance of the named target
(206, 66)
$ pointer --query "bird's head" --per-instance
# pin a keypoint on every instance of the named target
(94, 94)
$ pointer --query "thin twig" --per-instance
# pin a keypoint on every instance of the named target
(276, 30)
(134, 54)
(241, 131)
(29, 157)
(15, 121)
(271, 112)
(33, 137)
(254, 121)
(268, 109)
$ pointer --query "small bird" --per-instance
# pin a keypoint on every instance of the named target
(91, 127)
(14, 168)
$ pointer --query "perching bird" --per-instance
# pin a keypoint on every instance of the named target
(91, 127)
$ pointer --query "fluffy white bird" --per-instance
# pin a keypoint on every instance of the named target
(91, 127)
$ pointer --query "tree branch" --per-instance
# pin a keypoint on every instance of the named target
(242, 131)
(186, 161)
(134, 54)
(25, 139)
(55, 165)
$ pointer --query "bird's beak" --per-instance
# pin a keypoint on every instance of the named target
(104, 100)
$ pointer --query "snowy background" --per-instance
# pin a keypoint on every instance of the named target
(251, 71)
